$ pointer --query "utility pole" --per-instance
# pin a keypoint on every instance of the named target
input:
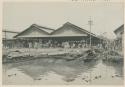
(90, 23)
(5, 39)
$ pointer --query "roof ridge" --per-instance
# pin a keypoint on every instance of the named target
(38, 26)
(67, 23)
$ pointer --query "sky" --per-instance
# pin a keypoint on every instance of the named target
(106, 17)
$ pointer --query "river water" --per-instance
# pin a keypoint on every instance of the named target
(61, 72)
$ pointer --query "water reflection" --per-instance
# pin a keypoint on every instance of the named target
(118, 67)
(67, 71)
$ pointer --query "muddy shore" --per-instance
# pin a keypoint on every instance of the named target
(20, 55)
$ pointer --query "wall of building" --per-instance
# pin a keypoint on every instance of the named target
(119, 42)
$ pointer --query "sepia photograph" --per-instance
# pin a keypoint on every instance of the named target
(63, 43)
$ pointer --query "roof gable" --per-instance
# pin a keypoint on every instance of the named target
(69, 29)
(33, 31)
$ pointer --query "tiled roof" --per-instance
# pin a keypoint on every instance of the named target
(75, 27)
(39, 31)
(45, 30)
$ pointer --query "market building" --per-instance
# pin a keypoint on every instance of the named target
(33, 37)
(68, 35)
(73, 34)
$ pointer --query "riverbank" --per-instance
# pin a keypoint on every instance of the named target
(86, 54)
(27, 54)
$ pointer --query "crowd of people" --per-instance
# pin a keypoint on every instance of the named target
(49, 44)
(56, 44)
